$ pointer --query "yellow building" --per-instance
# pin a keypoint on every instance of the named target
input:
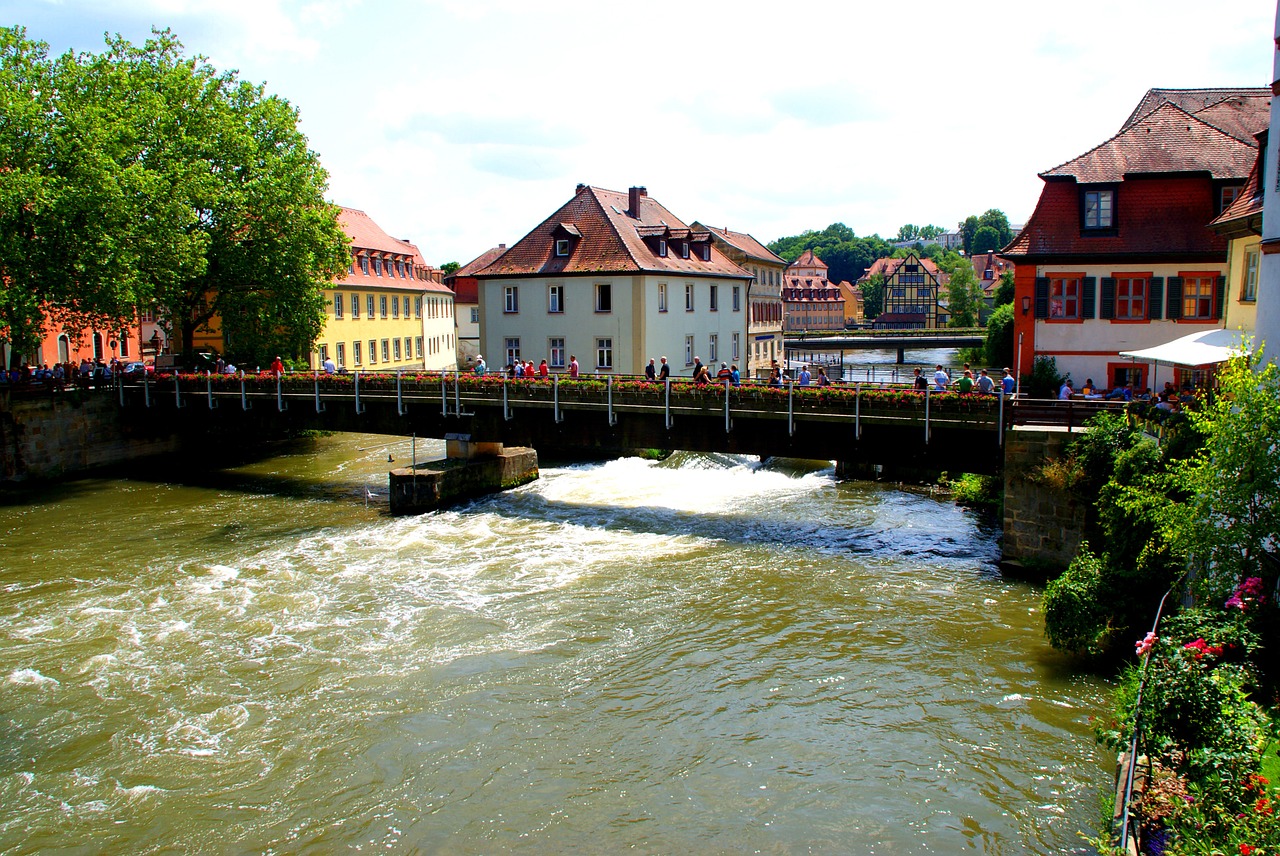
(1241, 224)
(390, 311)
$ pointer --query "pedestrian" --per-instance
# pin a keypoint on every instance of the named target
(481, 368)
(985, 384)
(664, 372)
(277, 366)
(651, 371)
(329, 367)
(573, 366)
(823, 380)
(735, 375)
(920, 383)
(543, 371)
(697, 367)
(1007, 383)
(724, 374)
(965, 384)
(941, 380)
(805, 377)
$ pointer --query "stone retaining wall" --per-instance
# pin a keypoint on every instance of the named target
(1042, 525)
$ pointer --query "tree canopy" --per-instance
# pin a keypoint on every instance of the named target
(847, 256)
(139, 178)
(989, 230)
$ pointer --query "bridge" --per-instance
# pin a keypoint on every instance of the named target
(892, 432)
(885, 339)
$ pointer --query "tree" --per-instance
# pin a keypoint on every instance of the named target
(450, 268)
(964, 296)
(166, 184)
(996, 219)
(873, 296)
(997, 348)
(930, 232)
(967, 228)
(985, 240)
(1004, 291)
(909, 232)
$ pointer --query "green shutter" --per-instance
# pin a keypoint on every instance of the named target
(1155, 306)
(1088, 299)
(1042, 297)
(1107, 309)
(1220, 287)
(1173, 299)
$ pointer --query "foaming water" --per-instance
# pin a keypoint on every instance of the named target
(699, 655)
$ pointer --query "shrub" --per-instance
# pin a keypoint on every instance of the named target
(1075, 617)
(1044, 380)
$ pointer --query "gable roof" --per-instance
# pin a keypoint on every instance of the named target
(1168, 139)
(1235, 220)
(748, 245)
(365, 234)
(808, 259)
(888, 266)
(611, 240)
(1241, 111)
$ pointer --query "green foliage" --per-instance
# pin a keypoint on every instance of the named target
(1233, 480)
(847, 256)
(1075, 618)
(147, 178)
(873, 295)
(1044, 380)
(997, 349)
(986, 239)
(964, 297)
(993, 219)
(977, 491)
(1004, 291)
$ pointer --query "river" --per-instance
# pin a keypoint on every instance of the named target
(703, 655)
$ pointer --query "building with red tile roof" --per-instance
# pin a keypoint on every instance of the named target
(390, 311)
(988, 268)
(912, 292)
(1118, 254)
(616, 279)
(764, 299)
(466, 302)
(811, 301)
(1241, 226)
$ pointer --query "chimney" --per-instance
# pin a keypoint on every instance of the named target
(581, 187)
(633, 200)
(502, 246)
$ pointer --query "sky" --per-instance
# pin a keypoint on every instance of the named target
(462, 124)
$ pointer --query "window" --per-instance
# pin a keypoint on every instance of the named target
(364, 266)
(555, 348)
(373, 349)
(1250, 292)
(1197, 297)
(406, 307)
(713, 347)
(382, 305)
(604, 297)
(684, 249)
(342, 353)
(562, 247)
(1131, 297)
(1064, 298)
(1098, 205)
(355, 307)
(555, 298)
(662, 297)
(512, 348)
(396, 349)
(737, 298)
(417, 307)
(1227, 195)
(408, 348)
(715, 298)
(705, 252)
(688, 297)
(511, 298)
(324, 353)
(475, 314)
(688, 350)
(662, 248)
(368, 304)
(400, 268)
(337, 307)
(377, 266)
(395, 306)
(355, 353)
(417, 346)
(737, 345)
(386, 350)
(604, 353)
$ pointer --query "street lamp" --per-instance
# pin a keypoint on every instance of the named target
(1026, 305)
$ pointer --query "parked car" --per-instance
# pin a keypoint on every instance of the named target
(133, 372)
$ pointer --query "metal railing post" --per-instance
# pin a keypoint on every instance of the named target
(506, 408)
(444, 392)
(728, 424)
(244, 400)
(927, 392)
(666, 406)
(608, 392)
(280, 405)
(146, 389)
(555, 400)
(791, 410)
(857, 412)
(177, 394)
(319, 405)
(208, 380)
(1000, 426)
(400, 411)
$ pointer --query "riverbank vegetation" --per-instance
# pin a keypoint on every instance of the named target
(1197, 516)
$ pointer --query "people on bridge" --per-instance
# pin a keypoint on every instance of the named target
(328, 365)
(481, 368)
(697, 368)
(823, 380)
(920, 382)
(664, 372)
(805, 377)
(1007, 383)
(651, 371)
(724, 374)
(543, 371)
(965, 384)
(573, 366)
(734, 375)
(277, 366)
(941, 380)
(985, 384)
(775, 375)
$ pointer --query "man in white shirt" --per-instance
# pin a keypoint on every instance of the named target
(329, 367)
(940, 379)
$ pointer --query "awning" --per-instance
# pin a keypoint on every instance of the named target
(1198, 349)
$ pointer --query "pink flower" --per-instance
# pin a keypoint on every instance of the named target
(1145, 645)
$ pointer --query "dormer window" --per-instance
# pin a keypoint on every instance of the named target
(1099, 209)
(662, 248)
(705, 252)
(562, 247)
(684, 249)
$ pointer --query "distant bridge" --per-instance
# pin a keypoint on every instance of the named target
(886, 339)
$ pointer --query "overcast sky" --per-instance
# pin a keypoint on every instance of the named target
(461, 124)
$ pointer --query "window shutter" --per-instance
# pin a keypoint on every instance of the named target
(1088, 300)
(1108, 307)
(1156, 303)
(1220, 287)
(1042, 297)
(1173, 302)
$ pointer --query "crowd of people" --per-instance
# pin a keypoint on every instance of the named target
(967, 383)
(85, 373)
